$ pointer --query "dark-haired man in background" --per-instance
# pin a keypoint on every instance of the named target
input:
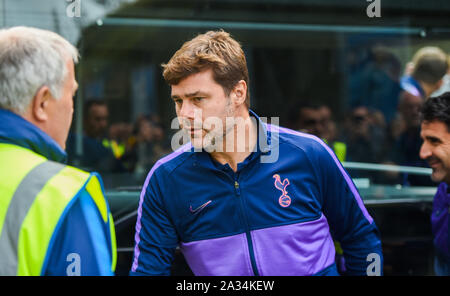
(428, 67)
(436, 151)
(98, 153)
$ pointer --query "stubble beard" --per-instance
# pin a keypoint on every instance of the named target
(213, 139)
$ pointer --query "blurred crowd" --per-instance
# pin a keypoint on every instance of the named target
(383, 125)
(119, 147)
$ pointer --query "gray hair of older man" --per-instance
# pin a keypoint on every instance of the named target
(31, 58)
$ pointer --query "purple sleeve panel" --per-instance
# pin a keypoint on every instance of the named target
(292, 250)
(225, 256)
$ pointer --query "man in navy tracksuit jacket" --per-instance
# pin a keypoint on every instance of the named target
(246, 214)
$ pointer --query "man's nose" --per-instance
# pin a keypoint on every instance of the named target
(425, 152)
(187, 110)
(190, 115)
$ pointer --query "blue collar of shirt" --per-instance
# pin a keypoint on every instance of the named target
(412, 86)
(17, 131)
(263, 146)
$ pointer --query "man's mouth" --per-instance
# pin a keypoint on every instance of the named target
(434, 162)
(195, 131)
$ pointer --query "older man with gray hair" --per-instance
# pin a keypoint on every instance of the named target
(54, 219)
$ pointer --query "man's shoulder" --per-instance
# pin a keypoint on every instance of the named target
(73, 174)
(70, 184)
(170, 162)
(443, 190)
(298, 140)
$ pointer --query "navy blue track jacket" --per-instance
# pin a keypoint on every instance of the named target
(267, 218)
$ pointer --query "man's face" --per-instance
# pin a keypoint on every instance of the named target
(312, 121)
(97, 121)
(410, 110)
(436, 149)
(329, 127)
(61, 109)
(360, 122)
(198, 100)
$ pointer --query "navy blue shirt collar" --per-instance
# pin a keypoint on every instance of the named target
(17, 131)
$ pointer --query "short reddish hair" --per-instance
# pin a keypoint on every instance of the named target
(215, 50)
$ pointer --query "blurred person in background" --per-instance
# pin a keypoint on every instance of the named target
(96, 117)
(330, 133)
(445, 87)
(145, 146)
(329, 130)
(309, 119)
(362, 136)
(316, 119)
(100, 153)
(374, 79)
(406, 147)
(424, 74)
(118, 138)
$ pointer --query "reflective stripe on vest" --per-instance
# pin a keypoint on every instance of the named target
(19, 206)
(34, 194)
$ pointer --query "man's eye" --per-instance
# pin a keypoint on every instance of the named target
(434, 141)
(197, 99)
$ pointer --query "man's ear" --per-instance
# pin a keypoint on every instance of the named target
(39, 106)
(240, 92)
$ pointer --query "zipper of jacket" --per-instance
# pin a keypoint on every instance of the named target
(247, 227)
(237, 191)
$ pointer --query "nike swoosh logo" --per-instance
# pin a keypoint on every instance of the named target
(200, 207)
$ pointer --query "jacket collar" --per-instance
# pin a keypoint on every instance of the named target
(263, 146)
(17, 131)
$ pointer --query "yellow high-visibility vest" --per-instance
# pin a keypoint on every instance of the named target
(117, 149)
(339, 148)
(34, 194)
